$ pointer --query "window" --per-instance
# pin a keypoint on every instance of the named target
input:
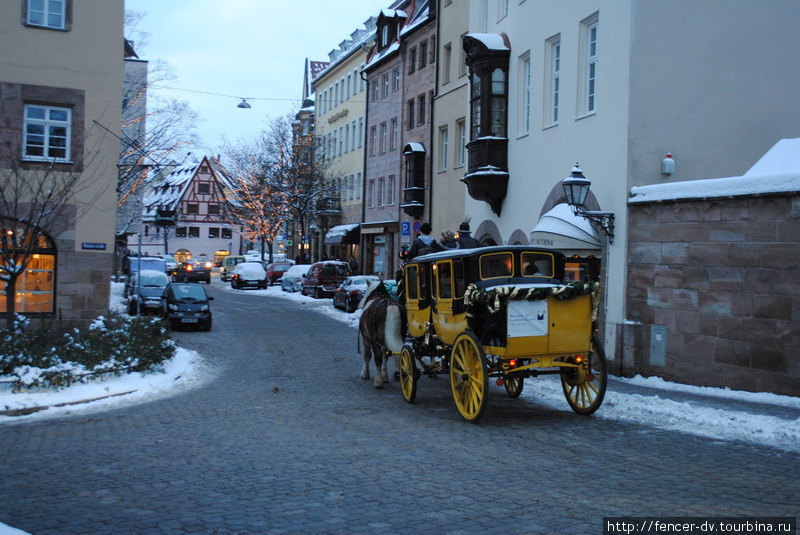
(384, 137)
(444, 280)
(393, 135)
(496, 265)
(421, 109)
(347, 138)
(226, 233)
(380, 191)
(341, 141)
(180, 232)
(385, 85)
(502, 9)
(192, 208)
(336, 95)
(353, 143)
(432, 59)
(553, 79)
(443, 148)
(360, 131)
(358, 185)
(423, 54)
(351, 186)
(48, 13)
(396, 79)
(410, 105)
(384, 36)
(461, 153)
(373, 140)
(213, 209)
(194, 232)
(525, 93)
(371, 193)
(347, 94)
(35, 286)
(448, 51)
(362, 82)
(213, 232)
(588, 74)
(47, 133)
(412, 60)
(375, 88)
(391, 191)
(203, 188)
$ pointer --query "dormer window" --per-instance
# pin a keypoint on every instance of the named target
(385, 37)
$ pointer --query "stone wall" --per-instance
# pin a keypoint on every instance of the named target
(713, 292)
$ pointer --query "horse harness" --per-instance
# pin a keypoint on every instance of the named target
(385, 301)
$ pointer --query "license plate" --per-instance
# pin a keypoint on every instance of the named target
(188, 320)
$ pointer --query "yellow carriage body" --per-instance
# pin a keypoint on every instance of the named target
(507, 310)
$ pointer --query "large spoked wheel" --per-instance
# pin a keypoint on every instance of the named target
(408, 374)
(585, 386)
(513, 384)
(469, 378)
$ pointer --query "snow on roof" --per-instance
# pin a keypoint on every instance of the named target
(420, 17)
(383, 53)
(340, 230)
(413, 147)
(778, 171)
(492, 41)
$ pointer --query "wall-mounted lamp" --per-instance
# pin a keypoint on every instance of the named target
(576, 189)
(243, 104)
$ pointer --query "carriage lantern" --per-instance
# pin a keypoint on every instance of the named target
(576, 189)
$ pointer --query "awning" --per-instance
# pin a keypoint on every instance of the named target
(413, 147)
(342, 234)
(561, 229)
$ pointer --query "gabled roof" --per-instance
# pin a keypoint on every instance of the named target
(168, 191)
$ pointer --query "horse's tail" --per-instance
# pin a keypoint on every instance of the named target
(392, 333)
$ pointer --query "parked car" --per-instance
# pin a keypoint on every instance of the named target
(349, 293)
(324, 277)
(228, 263)
(249, 274)
(292, 280)
(193, 271)
(134, 263)
(169, 261)
(146, 291)
(276, 270)
(186, 304)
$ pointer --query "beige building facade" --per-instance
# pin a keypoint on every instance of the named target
(340, 125)
(61, 74)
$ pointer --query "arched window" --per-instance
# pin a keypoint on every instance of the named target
(31, 249)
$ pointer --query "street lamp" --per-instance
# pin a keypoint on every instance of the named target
(576, 189)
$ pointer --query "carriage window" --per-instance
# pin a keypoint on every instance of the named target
(411, 282)
(459, 282)
(496, 265)
(444, 280)
(537, 265)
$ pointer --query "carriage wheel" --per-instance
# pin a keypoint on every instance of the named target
(469, 379)
(513, 384)
(585, 387)
(408, 374)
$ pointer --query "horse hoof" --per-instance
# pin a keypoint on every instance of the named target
(365, 377)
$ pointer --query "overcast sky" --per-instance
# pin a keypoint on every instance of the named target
(252, 49)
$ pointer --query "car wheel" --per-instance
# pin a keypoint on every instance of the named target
(349, 308)
(208, 280)
(207, 325)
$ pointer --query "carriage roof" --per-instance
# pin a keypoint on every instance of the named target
(471, 253)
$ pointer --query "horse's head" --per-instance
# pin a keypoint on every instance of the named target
(375, 289)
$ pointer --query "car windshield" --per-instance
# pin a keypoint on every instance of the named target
(151, 280)
(188, 292)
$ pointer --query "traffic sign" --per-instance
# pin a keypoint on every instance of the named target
(417, 225)
(405, 228)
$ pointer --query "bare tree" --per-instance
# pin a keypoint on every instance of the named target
(38, 200)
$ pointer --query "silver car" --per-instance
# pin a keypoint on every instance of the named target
(292, 280)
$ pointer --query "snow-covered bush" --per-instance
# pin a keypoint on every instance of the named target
(113, 344)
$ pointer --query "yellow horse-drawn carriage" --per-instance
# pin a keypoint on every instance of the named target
(505, 312)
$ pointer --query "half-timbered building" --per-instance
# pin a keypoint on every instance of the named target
(186, 208)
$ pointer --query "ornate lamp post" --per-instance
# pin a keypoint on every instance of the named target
(576, 189)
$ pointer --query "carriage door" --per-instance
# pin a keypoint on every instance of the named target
(417, 303)
(443, 319)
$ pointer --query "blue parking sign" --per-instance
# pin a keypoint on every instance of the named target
(405, 228)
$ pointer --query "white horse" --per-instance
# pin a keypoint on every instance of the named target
(380, 328)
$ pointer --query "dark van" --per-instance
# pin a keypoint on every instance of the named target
(324, 277)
